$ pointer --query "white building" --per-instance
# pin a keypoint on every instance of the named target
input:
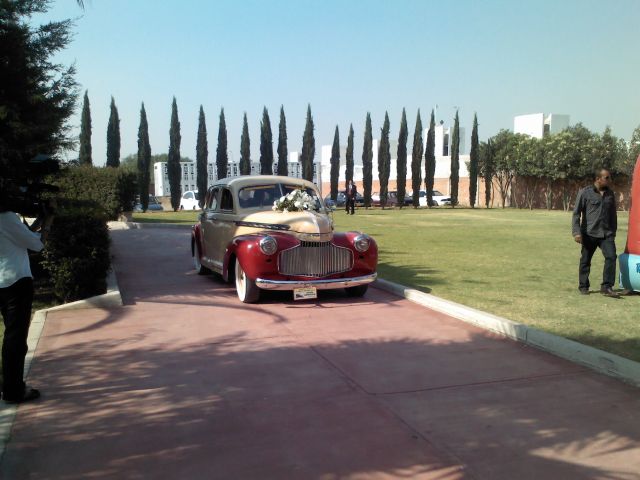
(189, 174)
(538, 125)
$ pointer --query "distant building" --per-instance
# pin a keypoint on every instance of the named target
(538, 125)
(189, 174)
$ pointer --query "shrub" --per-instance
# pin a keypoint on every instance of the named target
(76, 255)
(105, 191)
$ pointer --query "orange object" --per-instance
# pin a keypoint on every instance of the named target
(633, 237)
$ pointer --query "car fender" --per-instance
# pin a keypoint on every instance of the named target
(255, 264)
(363, 262)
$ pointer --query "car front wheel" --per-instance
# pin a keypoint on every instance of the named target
(200, 269)
(248, 291)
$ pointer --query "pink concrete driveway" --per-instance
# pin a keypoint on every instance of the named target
(185, 382)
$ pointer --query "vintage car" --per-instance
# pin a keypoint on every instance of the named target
(244, 238)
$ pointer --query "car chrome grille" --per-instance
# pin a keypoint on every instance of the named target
(315, 259)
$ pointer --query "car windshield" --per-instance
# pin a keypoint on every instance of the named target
(437, 193)
(263, 196)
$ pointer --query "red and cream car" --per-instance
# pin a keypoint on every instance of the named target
(240, 236)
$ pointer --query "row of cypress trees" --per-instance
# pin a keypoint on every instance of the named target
(202, 151)
(384, 161)
(306, 157)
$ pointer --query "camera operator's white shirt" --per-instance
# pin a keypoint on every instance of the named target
(15, 239)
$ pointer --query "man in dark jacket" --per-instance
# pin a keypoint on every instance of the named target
(595, 223)
(350, 195)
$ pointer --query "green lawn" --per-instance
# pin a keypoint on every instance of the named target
(519, 264)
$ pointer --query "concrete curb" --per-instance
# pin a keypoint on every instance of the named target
(603, 362)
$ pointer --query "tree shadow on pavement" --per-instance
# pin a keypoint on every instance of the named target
(235, 404)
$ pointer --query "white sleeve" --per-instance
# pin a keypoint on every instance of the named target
(18, 233)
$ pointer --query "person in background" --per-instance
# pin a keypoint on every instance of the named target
(594, 226)
(16, 297)
(350, 194)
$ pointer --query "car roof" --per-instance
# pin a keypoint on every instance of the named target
(249, 180)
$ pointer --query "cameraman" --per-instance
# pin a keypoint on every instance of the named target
(16, 295)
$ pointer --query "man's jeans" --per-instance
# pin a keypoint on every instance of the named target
(15, 304)
(608, 247)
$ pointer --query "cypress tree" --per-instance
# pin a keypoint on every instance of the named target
(266, 144)
(245, 149)
(85, 132)
(473, 163)
(335, 164)
(401, 165)
(308, 148)
(144, 159)
(37, 95)
(173, 161)
(113, 137)
(348, 173)
(455, 161)
(283, 165)
(384, 161)
(488, 171)
(430, 160)
(221, 152)
(367, 162)
(202, 156)
(416, 161)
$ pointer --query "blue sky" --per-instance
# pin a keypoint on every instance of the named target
(498, 58)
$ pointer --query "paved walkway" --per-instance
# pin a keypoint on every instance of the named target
(185, 382)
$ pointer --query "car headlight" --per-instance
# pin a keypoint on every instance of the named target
(361, 243)
(268, 245)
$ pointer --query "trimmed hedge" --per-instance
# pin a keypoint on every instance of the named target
(106, 191)
(76, 255)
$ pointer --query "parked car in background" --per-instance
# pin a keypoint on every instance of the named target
(240, 236)
(154, 205)
(190, 200)
(392, 199)
(341, 200)
(438, 198)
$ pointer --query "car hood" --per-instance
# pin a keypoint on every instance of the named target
(308, 226)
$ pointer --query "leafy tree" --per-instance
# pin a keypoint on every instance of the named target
(626, 167)
(143, 159)
(530, 169)
(367, 162)
(266, 144)
(283, 165)
(473, 163)
(487, 170)
(384, 161)
(401, 165)
(221, 151)
(308, 148)
(504, 160)
(173, 162)
(416, 161)
(335, 164)
(348, 173)
(202, 157)
(37, 96)
(85, 132)
(455, 160)
(113, 136)
(245, 149)
(609, 152)
(430, 160)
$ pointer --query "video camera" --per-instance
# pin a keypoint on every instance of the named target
(24, 195)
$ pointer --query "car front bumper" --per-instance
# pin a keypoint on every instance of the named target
(319, 284)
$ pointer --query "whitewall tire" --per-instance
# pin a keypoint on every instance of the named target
(248, 291)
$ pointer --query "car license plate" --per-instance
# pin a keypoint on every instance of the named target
(305, 293)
